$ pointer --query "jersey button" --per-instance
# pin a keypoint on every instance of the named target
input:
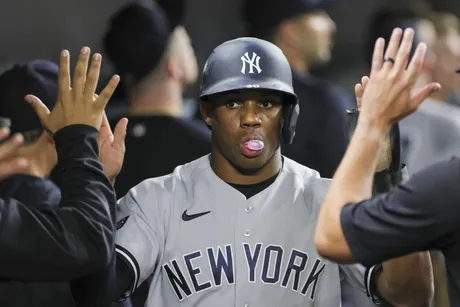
(248, 209)
(247, 232)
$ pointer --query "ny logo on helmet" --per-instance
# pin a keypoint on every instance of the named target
(252, 63)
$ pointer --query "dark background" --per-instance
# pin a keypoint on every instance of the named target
(41, 29)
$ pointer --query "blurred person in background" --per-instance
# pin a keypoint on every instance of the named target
(156, 69)
(432, 133)
(447, 50)
(157, 134)
(304, 31)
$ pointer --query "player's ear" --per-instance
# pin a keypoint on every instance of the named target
(206, 108)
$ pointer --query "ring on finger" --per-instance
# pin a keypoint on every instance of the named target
(388, 59)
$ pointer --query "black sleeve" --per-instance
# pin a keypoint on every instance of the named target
(125, 279)
(105, 286)
(417, 215)
(74, 240)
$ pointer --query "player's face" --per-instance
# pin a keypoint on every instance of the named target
(246, 127)
(316, 30)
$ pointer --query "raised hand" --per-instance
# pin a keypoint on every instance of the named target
(389, 94)
(112, 147)
(77, 102)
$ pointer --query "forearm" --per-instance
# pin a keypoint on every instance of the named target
(352, 182)
(407, 281)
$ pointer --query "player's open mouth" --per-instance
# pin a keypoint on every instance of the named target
(251, 148)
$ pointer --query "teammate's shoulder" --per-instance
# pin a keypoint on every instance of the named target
(306, 174)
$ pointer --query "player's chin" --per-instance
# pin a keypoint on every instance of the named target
(252, 162)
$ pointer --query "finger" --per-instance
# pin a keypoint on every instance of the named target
(393, 45)
(107, 92)
(79, 76)
(93, 77)
(359, 93)
(120, 131)
(12, 166)
(377, 57)
(64, 76)
(423, 94)
(364, 82)
(4, 132)
(404, 50)
(11, 145)
(40, 108)
(416, 63)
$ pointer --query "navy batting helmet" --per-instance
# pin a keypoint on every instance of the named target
(252, 63)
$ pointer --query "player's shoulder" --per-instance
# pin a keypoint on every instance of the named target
(305, 175)
(182, 176)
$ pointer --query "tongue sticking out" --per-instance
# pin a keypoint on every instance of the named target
(254, 145)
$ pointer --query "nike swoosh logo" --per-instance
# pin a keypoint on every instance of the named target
(190, 217)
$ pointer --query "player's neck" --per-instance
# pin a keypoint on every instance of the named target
(163, 98)
(229, 173)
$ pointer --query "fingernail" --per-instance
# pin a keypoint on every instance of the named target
(84, 50)
(116, 78)
(4, 130)
(28, 99)
(97, 57)
(65, 53)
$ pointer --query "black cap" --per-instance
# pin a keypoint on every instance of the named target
(39, 78)
(174, 10)
(136, 39)
(263, 15)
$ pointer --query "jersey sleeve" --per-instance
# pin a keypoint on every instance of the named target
(419, 214)
(140, 231)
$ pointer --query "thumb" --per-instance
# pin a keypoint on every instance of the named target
(423, 94)
(39, 107)
(120, 131)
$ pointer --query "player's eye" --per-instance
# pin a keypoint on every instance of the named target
(233, 104)
(265, 104)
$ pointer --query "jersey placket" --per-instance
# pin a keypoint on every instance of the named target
(245, 272)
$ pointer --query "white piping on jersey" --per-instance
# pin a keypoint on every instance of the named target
(131, 262)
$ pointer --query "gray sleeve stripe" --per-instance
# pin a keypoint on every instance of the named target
(133, 265)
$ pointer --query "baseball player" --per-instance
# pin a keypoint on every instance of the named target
(235, 228)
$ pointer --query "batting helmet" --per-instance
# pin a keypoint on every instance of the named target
(251, 63)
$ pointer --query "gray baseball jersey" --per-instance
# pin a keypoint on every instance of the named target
(200, 242)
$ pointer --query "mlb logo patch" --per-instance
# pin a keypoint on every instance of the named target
(122, 222)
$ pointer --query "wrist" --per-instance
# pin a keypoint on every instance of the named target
(373, 128)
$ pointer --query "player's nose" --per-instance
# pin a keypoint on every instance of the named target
(249, 116)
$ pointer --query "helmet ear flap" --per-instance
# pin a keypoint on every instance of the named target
(290, 116)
